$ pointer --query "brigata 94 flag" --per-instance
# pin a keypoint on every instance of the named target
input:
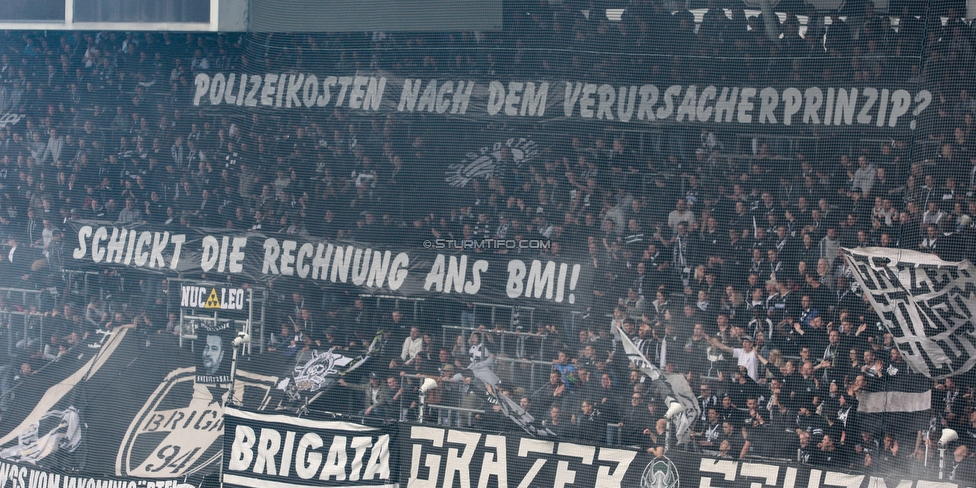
(926, 303)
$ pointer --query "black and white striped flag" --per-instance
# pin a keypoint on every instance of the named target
(927, 305)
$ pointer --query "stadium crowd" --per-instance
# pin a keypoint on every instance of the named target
(722, 266)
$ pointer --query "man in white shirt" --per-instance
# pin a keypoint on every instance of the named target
(864, 176)
(933, 214)
(52, 151)
(681, 213)
(745, 356)
(412, 345)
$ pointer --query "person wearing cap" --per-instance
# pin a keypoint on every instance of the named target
(375, 397)
(746, 356)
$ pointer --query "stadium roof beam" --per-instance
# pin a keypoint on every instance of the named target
(254, 15)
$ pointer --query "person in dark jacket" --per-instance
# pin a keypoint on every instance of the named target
(558, 423)
(590, 425)
(375, 397)
(962, 467)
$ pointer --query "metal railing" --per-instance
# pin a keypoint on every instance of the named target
(417, 303)
(23, 330)
(28, 296)
(538, 371)
(190, 323)
(514, 314)
(512, 343)
(77, 283)
(454, 416)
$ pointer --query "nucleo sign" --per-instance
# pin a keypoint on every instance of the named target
(212, 297)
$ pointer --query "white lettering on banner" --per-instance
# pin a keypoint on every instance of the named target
(843, 479)
(725, 468)
(130, 246)
(216, 253)
(725, 105)
(431, 461)
(458, 462)
(435, 99)
(766, 471)
(840, 108)
(728, 471)
(669, 94)
(266, 453)
(363, 267)
(925, 302)
(10, 119)
(495, 462)
(541, 280)
(533, 446)
(769, 99)
(23, 477)
(452, 278)
(553, 281)
(517, 98)
(209, 297)
(688, 107)
(454, 451)
(275, 90)
(564, 475)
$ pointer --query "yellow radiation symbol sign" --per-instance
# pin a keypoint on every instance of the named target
(212, 300)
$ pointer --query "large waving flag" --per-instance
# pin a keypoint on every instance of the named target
(926, 303)
(511, 409)
(681, 401)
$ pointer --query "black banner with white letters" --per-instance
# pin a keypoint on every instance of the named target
(702, 472)
(117, 410)
(432, 456)
(626, 101)
(24, 476)
(283, 451)
(478, 270)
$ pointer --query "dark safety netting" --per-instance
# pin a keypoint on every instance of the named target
(613, 242)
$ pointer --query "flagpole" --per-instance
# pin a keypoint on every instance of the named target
(233, 373)
(242, 339)
(667, 436)
(926, 462)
